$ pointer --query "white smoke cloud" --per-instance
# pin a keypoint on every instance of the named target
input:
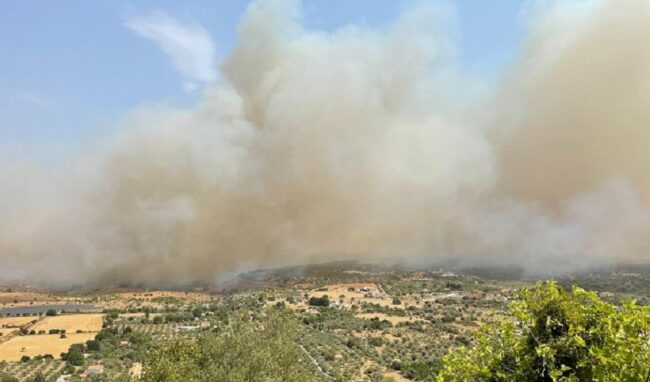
(350, 144)
(189, 46)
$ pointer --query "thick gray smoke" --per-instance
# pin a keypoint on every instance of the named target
(360, 143)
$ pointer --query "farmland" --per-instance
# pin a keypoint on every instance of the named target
(19, 346)
(378, 325)
(71, 323)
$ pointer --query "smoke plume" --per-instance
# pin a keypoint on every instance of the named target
(363, 143)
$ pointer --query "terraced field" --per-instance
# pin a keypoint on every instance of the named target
(158, 331)
(50, 368)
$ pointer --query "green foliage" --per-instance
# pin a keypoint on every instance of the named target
(74, 356)
(421, 370)
(261, 349)
(93, 345)
(558, 335)
(50, 312)
(319, 301)
(68, 369)
(39, 377)
(7, 378)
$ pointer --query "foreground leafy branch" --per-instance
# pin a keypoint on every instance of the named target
(557, 335)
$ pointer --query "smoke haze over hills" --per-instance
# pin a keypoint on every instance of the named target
(365, 144)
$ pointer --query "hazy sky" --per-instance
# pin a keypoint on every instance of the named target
(69, 70)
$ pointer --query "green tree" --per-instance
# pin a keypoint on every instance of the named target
(74, 356)
(557, 335)
(264, 349)
(93, 345)
(50, 312)
(319, 301)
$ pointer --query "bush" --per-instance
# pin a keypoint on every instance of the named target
(92, 345)
(558, 336)
(39, 377)
(68, 369)
(319, 301)
(7, 378)
(51, 313)
(421, 370)
(74, 357)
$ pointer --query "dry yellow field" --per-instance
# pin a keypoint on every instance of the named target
(15, 321)
(42, 344)
(6, 331)
(71, 323)
(23, 298)
(397, 377)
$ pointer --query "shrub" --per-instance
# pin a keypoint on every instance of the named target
(319, 301)
(92, 345)
(7, 378)
(558, 335)
(74, 356)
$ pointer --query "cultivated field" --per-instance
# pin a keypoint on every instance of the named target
(49, 368)
(15, 322)
(6, 331)
(71, 323)
(34, 345)
(376, 326)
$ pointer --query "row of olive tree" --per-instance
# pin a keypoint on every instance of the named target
(259, 348)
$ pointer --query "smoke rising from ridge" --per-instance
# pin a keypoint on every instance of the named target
(360, 143)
